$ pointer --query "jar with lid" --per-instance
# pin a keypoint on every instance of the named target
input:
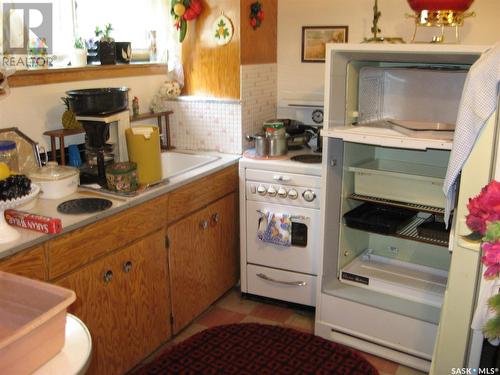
(8, 154)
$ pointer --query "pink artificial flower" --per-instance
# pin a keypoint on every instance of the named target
(492, 271)
(484, 208)
(491, 253)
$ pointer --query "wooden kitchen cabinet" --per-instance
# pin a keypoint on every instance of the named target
(30, 263)
(202, 258)
(124, 300)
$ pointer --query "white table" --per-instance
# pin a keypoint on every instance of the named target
(74, 358)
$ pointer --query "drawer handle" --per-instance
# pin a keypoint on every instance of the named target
(127, 266)
(292, 283)
(108, 275)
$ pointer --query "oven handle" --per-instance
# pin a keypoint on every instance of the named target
(292, 283)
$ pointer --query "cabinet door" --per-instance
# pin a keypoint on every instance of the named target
(190, 241)
(224, 270)
(202, 258)
(30, 263)
(123, 299)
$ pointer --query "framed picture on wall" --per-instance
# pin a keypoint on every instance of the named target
(314, 39)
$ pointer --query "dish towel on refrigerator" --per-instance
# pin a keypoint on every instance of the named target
(483, 313)
(275, 228)
(479, 101)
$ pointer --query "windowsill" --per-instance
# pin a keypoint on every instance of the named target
(58, 75)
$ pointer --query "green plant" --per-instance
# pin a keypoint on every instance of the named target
(79, 43)
(104, 34)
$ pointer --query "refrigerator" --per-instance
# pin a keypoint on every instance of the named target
(407, 294)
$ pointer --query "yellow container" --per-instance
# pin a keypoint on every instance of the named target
(143, 145)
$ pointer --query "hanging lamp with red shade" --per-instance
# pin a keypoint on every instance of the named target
(440, 13)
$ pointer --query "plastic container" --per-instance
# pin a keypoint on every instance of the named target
(122, 177)
(32, 322)
(8, 155)
(400, 181)
(143, 144)
(56, 181)
(378, 218)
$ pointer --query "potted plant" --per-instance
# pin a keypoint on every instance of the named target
(79, 54)
(107, 50)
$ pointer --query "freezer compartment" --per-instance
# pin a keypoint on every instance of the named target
(400, 181)
(406, 280)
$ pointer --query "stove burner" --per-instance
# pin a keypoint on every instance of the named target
(307, 158)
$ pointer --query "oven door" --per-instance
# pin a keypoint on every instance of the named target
(301, 256)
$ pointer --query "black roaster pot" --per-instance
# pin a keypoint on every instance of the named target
(101, 101)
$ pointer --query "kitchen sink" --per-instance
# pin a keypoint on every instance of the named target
(176, 163)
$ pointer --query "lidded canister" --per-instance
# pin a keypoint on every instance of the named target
(8, 155)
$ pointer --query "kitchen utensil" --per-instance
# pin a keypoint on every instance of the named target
(298, 139)
(261, 144)
(7, 233)
(278, 144)
(28, 151)
(84, 206)
(55, 181)
(143, 145)
(98, 101)
(122, 177)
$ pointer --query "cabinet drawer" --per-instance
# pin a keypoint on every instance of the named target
(280, 285)
(30, 263)
(200, 193)
(83, 245)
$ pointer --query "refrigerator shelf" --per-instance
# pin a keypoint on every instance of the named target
(401, 279)
(411, 206)
(409, 232)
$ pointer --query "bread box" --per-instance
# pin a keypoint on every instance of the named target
(32, 322)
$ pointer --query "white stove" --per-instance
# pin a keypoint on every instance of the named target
(280, 187)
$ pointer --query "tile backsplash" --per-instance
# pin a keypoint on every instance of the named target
(258, 98)
(221, 125)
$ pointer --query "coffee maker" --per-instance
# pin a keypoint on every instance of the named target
(105, 143)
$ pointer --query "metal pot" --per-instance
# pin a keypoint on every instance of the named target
(274, 145)
(100, 101)
(298, 139)
(278, 145)
(261, 144)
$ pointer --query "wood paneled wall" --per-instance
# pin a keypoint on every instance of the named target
(259, 46)
(209, 69)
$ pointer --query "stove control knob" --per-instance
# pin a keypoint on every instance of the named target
(282, 193)
(309, 195)
(271, 191)
(292, 194)
(262, 190)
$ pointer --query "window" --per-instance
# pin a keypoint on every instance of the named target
(132, 21)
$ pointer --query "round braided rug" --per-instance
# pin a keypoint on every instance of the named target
(257, 349)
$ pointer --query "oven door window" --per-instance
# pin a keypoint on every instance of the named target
(299, 234)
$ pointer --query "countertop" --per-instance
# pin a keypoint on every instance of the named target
(48, 207)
